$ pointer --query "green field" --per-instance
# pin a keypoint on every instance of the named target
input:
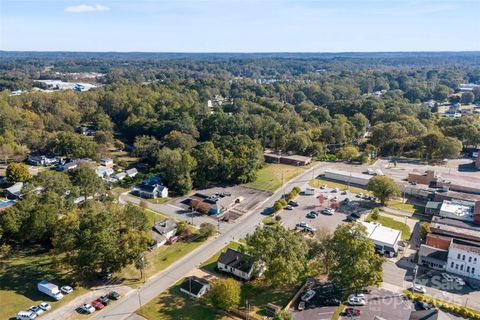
(19, 275)
(407, 207)
(159, 259)
(317, 183)
(175, 305)
(269, 178)
(394, 224)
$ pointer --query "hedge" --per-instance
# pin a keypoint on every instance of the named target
(461, 311)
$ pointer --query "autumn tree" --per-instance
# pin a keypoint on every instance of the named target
(225, 293)
(17, 172)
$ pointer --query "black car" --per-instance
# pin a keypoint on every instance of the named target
(104, 300)
(114, 295)
(104, 275)
(352, 218)
(293, 203)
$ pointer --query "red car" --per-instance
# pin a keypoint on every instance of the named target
(97, 305)
(352, 312)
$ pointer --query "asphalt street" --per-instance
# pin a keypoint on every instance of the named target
(228, 232)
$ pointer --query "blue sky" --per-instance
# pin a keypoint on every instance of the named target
(240, 25)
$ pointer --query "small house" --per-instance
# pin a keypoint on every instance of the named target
(150, 191)
(103, 172)
(131, 172)
(41, 160)
(162, 232)
(236, 263)
(106, 162)
(120, 176)
(194, 286)
(15, 191)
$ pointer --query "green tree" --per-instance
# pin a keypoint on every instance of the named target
(447, 148)
(375, 214)
(283, 315)
(17, 172)
(467, 98)
(355, 264)
(424, 230)
(431, 142)
(283, 253)
(225, 294)
(348, 153)
(175, 167)
(88, 182)
(384, 188)
(207, 230)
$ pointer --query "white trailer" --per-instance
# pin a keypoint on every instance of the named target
(49, 289)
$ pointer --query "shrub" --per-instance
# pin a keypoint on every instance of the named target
(375, 214)
(278, 218)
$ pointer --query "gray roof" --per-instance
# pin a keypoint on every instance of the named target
(165, 226)
(193, 285)
(236, 259)
(433, 253)
(15, 189)
(131, 171)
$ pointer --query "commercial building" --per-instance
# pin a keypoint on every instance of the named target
(457, 229)
(456, 210)
(460, 183)
(385, 239)
(294, 160)
(432, 257)
(464, 258)
(348, 177)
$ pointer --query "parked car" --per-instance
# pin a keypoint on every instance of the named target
(447, 277)
(39, 311)
(351, 218)
(323, 187)
(87, 308)
(114, 295)
(473, 285)
(310, 229)
(97, 305)
(104, 300)
(311, 215)
(104, 275)
(344, 192)
(66, 289)
(419, 288)
(301, 306)
(293, 203)
(346, 200)
(289, 207)
(355, 301)
(359, 195)
(459, 280)
(335, 190)
(328, 211)
(26, 315)
(308, 295)
(45, 306)
(302, 225)
(331, 302)
(351, 312)
(423, 305)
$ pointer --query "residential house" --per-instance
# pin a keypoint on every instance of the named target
(194, 286)
(150, 191)
(163, 231)
(104, 172)
(106, 162)
(132, 172)
(41, 160)
(15, 191)
(119, 176)
(236, 263)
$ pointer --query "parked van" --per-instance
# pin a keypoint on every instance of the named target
(50, 290)
(26, 315)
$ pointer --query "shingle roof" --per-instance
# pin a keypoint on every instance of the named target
(165, 226)
(193, 284)
(236, 259)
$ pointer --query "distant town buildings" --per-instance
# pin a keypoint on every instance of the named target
(294, 160)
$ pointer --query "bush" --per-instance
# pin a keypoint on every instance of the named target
(207, 230)
(327, 157)
(225, 294)
(278, 218)
(375, 214)
(279, 205)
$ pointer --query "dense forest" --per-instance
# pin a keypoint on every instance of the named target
(155, 106)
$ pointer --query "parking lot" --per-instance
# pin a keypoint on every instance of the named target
(384, 304)
(321, 306)
(307, 203)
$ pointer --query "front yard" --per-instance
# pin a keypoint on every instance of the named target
(407, 207)
(175, 305)
(269, 178)
(19, 275)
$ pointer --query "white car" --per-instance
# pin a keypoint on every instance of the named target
(66, 289)
(356, 295)
(354, 301)
(39, 311)
(419, 288)
(323, 187)
(308, 295)
(26, 315)
(447, 277)
(87, 308)
(459, 280)
(45, 306)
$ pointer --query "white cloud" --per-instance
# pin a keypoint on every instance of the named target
(86, 8)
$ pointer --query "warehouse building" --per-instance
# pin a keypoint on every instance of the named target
(348, 177)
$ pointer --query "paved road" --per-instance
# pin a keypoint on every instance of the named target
(179, 269)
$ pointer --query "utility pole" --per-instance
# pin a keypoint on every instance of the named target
(139, 299)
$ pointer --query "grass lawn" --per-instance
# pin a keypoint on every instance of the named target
(210, 264)
(154, 217)
(19, 275)
(175, 305)
(269, 178)
(158, 260)
(394, 224)
(408, 207)
(317, 183)
(259, 295)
